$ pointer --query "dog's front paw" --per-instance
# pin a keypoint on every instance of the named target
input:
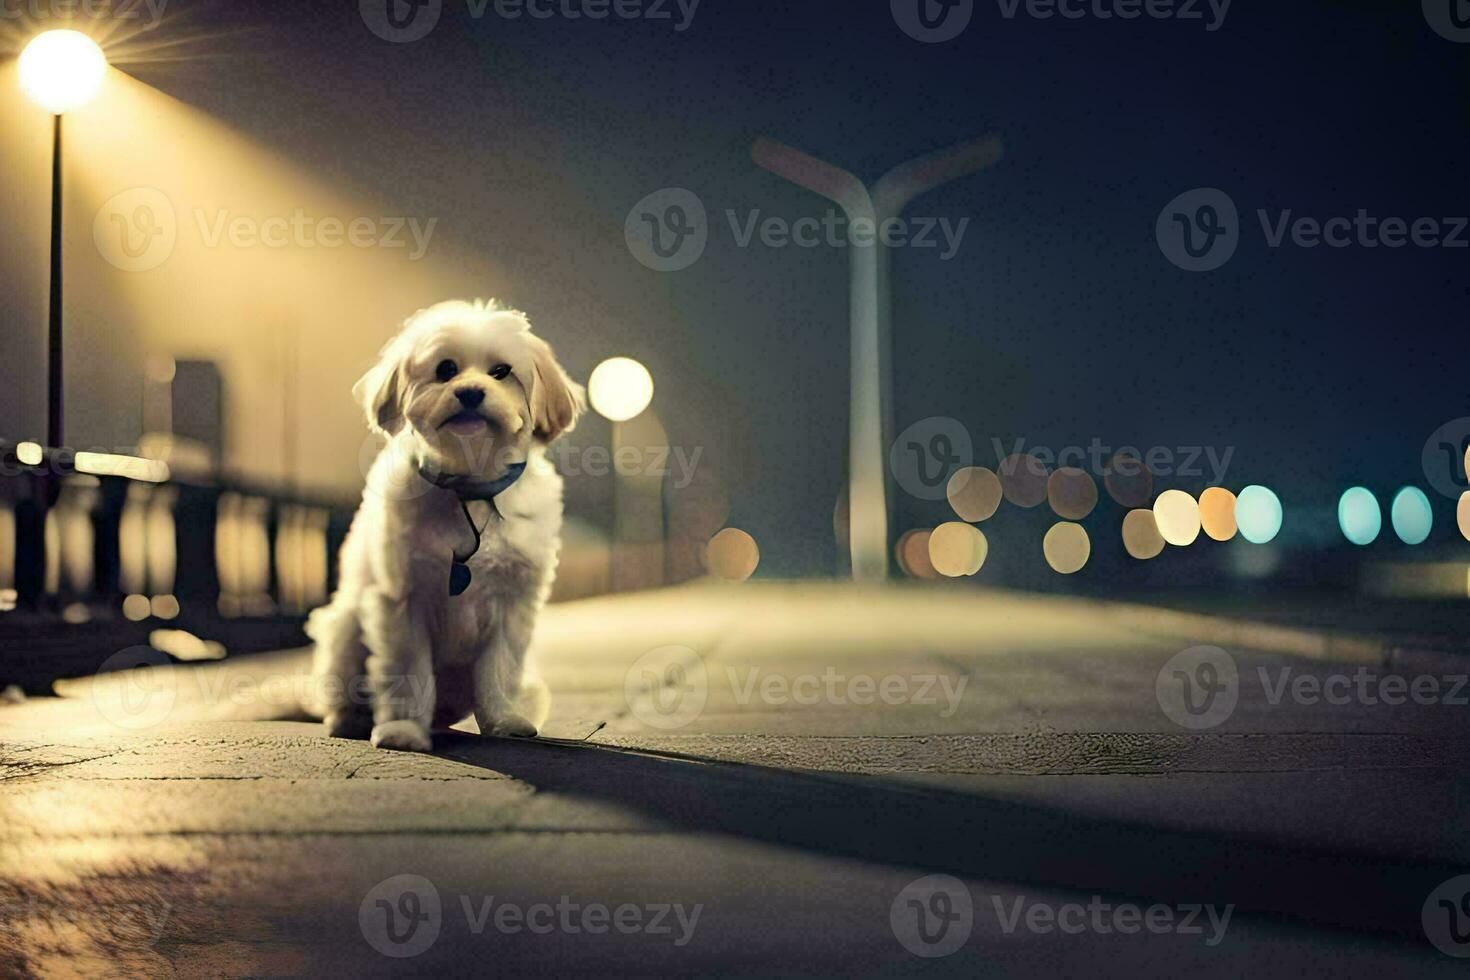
(512, 725)
(405, 736)
(348, 723)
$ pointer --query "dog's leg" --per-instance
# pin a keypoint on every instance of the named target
(400, 673)
(335, 695)
(499, 690)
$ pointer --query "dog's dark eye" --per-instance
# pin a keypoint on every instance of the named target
(500, 372)
(446, 370)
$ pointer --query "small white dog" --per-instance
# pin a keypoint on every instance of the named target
(454, 547)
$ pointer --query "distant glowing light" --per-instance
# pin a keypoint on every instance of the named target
(1413, 518)
(1067, 547)
(1023, 477)
(957, 549)
(1129, 481)
(1141, 537)
(30, 453)
(912, 551)
(62, 70)
(1217, 513)
(974, 493)
(732, 555)
(136, 608)
(1359, 516)
(1072, 493)
(1462, 514)
(1177, 515)
(620, 388)
(1258, 512)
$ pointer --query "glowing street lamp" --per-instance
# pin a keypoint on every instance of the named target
(59, 71)
(620, 390)
(870, 423)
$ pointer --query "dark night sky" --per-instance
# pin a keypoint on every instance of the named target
(1058, 321)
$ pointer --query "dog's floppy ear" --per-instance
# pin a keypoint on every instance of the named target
(556, 400)
(377, 393)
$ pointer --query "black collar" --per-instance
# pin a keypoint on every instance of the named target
(467, 488)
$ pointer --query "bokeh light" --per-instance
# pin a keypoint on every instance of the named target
(1128, 480)
(957, 549)
(1066, 547)
(1177, 515)
(1413, 518)
(1217, 513)
(1359, 516)
(732, 555)
(912, 552)
(620, 388)
(1072, 493)
(1023, 478)
(1462, 514)
(1141, 537)
(62, 70)
(1258, 512)
(974, 492)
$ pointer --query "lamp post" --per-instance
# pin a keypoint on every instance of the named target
(621, 389)
(871, 422)
(59, 71)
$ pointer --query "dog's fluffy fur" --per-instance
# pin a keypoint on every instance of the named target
(396, 655)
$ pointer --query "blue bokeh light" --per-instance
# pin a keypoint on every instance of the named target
(1413, 518)
(1360, 516)
(1258, 514)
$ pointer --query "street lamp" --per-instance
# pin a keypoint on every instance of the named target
(871, 423)
(620, 390)
(59, 71)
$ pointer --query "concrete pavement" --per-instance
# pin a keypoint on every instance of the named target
(755, 780)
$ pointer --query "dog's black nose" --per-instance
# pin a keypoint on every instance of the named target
(470, 397)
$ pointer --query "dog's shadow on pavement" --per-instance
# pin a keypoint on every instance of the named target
(891, 822)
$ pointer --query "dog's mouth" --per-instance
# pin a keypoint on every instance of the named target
(467, 422)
